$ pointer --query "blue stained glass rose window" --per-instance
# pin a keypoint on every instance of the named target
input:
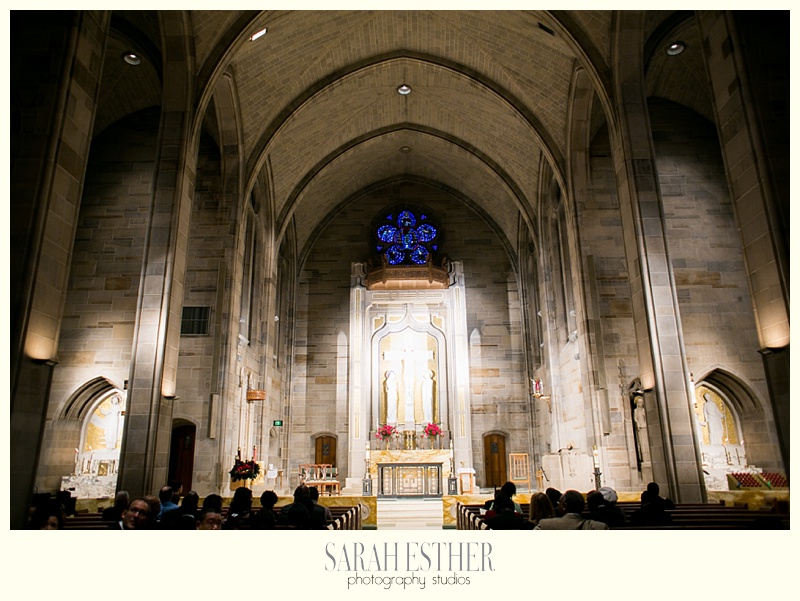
(402, 241)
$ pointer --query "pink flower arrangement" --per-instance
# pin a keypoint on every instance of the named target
(385, 432)
(432, 430)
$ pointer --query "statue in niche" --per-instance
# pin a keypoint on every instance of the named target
(640, 421)
(390, 389)
(427, 396)
(713, 420)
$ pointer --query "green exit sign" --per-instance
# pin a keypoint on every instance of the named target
(277, 422)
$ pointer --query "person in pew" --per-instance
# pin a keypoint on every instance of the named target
(155, 510)
(213, 501)
(313, 493)
(210, 518)
(570, 509)
(540, 508)
(114, 513)
(266, 518)
(183, 517)
(602, 506)
(135, 517)
(165, 499)
(49, 516)
(508, 489)
(240, 514)
(505, 517)
(655, 497)
(651, 513)
(299, 514)
(554, 495)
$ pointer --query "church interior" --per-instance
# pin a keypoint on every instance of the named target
(405, 255)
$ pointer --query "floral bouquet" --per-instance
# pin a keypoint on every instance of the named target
(385, 432)
(432, 430)
(244, 470)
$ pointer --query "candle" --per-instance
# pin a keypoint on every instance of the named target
(254, 452)
(596, 457)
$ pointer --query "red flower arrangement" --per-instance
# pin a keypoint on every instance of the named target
(432, 430)
(244, 470)
(385, 432)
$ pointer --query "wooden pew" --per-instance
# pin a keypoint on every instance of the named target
(688, 516)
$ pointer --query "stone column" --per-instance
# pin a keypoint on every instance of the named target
(362, 414)
(55, 83)
(662, 361)
(148, 424)
(751, 106)
(459, 405)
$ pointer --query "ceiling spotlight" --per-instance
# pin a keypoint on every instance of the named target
(405, 149)
(675, 48)
(404, 90)
(132, 58)
(258, 34)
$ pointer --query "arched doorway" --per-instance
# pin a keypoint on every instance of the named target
(181, 454)
(494, 460)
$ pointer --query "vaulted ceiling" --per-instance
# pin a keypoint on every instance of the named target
(317, 99)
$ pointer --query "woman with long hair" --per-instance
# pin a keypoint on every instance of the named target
(540, 508)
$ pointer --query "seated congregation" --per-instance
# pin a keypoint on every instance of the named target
(170, 511)
(600, 510)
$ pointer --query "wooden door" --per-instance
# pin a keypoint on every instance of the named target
(494, 460)
(325, 450)
(181, 455)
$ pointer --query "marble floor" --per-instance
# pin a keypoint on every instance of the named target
(409, 514)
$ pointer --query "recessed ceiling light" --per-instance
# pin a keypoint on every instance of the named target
(258, 34)
(404, 90)
(132, 58)
(405, 149)
(675, 48)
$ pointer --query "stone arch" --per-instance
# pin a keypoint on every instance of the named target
(738, 394)
(753, 424)
(91, 430)
(85, 397)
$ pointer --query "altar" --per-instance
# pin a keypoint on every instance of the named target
(410, 473)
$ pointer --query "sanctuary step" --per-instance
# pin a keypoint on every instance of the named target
(410, 514)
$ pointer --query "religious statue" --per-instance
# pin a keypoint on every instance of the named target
(640, 421)
(713, 420)
(427, 397)
(390, 387)
(108, 419)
